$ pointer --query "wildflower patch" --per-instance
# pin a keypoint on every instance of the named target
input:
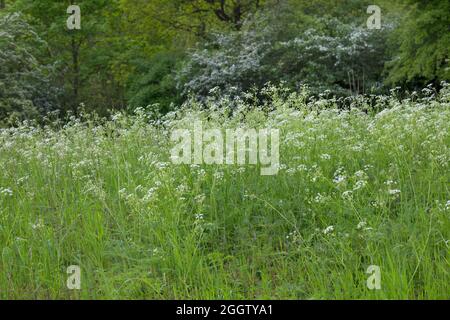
(211, 146)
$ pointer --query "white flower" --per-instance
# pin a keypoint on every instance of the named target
(218, 175)
(359, 185)
(325, 156)
(149, 194)
(360, 174)
(361, 225)
(240, 169)
(161, 165)
(347, 195)
(249, 196)
(293, 236)
(339, 179)
(328, 230)
(200, 198)
(116, 117)
(182, 188)
(447, 205)
(123, 194)
(23, 179)
(357, 147)
(6, 192)
(201, 172)
(290, 171)
(394, 192)
(37, 225)
(199, 216)
(319, 198)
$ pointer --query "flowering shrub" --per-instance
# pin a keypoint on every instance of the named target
(343, 58)
(26, 90)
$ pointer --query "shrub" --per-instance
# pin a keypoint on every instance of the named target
(155, 84)
(329, 55)
(25, 83)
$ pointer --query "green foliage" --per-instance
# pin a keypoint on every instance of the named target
(84, 57)
(422, 45)
(196, 17)
(25, 83)
(155, 84)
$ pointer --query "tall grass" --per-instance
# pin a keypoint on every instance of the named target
(354, 189)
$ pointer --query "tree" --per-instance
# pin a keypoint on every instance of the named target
(192, 16)
(421, 45)
(154, 83)
(84, 56)
(233, 11)
(26, 88)
(325, 53)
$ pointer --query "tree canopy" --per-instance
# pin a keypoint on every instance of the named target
(131, 53)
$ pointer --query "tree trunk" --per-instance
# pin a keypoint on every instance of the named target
(76, 71)
(235, 17)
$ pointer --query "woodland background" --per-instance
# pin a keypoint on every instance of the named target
(155, 54)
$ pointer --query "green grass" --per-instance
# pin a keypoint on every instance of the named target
(107, 198)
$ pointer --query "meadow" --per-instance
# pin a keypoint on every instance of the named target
(359, 186)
